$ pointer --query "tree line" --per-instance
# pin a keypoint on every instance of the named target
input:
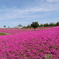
(42, 25)
(36, 24)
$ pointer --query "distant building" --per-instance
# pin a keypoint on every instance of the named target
(18, 27)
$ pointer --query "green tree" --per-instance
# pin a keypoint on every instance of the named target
(34, 25)
(4, 26)
(28, 26)
(51, 24)
(24, 27)
(57, 24)
(41, 25)
(46, 25)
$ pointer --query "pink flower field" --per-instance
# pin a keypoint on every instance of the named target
(30, 44)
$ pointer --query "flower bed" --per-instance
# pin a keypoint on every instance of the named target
(40, 44)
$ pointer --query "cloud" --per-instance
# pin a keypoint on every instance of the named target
(19, 22)
(52, 0)
(28, 12)
(17, 13)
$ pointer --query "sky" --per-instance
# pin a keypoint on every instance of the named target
(24, 12)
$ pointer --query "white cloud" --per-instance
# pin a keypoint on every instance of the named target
(23, 13)
(52, 0)
(17, 13)
(19, 22)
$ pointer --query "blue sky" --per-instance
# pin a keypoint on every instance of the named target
(24, 12)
